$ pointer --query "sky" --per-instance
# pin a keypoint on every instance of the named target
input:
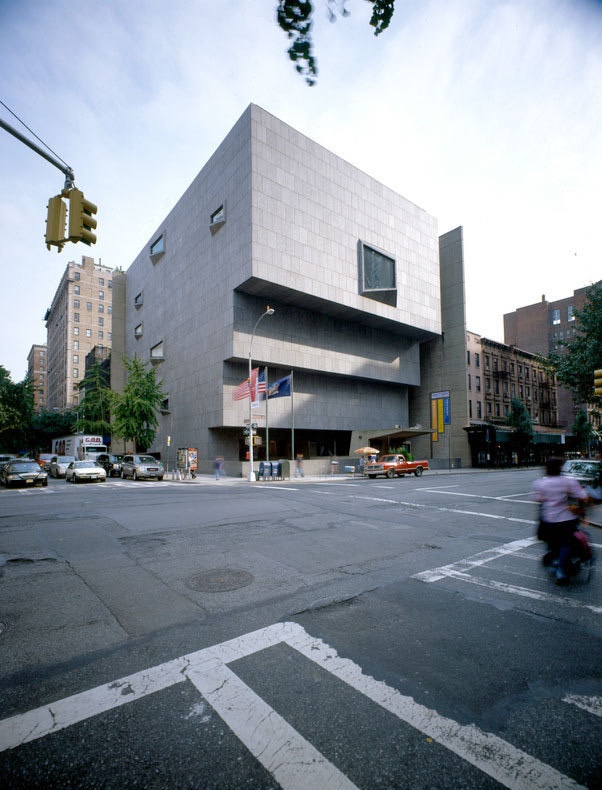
(485, 113)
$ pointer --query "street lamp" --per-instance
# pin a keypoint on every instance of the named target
(251, 478)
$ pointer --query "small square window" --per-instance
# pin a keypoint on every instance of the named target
(101, 294)
(157, 248)
(101, 308)
(101, 321)
(76, 304)
(157, 353)
(88, 305)
(217, 219)
(76, 317)
(76, 331)
(75, 372)
(88, 333)
(101, 335)
(76, 289)
(101, 281)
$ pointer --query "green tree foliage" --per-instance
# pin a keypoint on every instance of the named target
(295, 18)
(16, 411)
(48, 425)
(520, 421)
(135, 409)
(583, 431)
(95, 405)
(579, 356)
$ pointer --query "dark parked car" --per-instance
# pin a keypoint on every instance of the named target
(23, 473)
(110, 463)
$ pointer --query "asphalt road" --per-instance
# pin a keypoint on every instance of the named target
(324, 633)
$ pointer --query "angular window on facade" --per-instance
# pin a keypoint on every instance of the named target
(217, 219)
(138, 330)
(157, 352)
(157, 248)
(139, 300)
(378, 279)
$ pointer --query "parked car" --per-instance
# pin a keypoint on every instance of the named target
(44, 460)
(110, 463)
(139, 467)
(78, 471)
(23, 472)
(59, 464)
(588, 472)
(5, 458)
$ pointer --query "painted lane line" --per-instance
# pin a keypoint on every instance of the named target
(282, 750)
(590, 704)
(63, 713)
(293, 762)
(447, 509)
(523, 592)
(475, 561)
(506, 498)
(508, 765)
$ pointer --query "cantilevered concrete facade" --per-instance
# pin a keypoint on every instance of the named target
(350, 267)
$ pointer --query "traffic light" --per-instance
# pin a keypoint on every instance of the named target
(55, 223)
(598, 382)
(81, 221)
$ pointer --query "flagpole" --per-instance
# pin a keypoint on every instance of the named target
(267, 424)
(268, 311)
(292, 418)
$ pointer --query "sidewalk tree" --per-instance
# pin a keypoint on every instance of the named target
(16, 411)
(135, 409)
(577, 358)
(583, 431)
(522, 437)
(295, 19)
(94, 408)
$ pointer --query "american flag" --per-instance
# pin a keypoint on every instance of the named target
(257, 386)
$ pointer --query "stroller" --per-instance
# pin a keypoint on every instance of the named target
(581, 556)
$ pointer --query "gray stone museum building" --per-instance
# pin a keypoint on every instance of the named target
(368, 307)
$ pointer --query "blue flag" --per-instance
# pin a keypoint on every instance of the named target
(278, 389)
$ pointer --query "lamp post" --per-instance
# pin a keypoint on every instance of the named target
(269, 311)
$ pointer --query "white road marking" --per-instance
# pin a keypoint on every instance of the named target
(446, 509)
(481, 558)
(292, 760)
(590, 704)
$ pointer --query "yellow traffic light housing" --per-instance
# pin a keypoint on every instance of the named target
(81, 220)
(598, 383)
(56, 221)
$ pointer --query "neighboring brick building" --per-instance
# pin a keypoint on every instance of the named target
(79, 319)
(497, 373)
(538, 328)
(36, 370)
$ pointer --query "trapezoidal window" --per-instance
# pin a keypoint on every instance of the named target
(217, 219)
(157, 248)
(377, 275)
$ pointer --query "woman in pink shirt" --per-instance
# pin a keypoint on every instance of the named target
(557, 521)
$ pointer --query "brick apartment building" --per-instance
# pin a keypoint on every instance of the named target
(36, 370)
(79, 319)
(538, 328)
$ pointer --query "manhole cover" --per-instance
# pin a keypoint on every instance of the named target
(220, 580)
